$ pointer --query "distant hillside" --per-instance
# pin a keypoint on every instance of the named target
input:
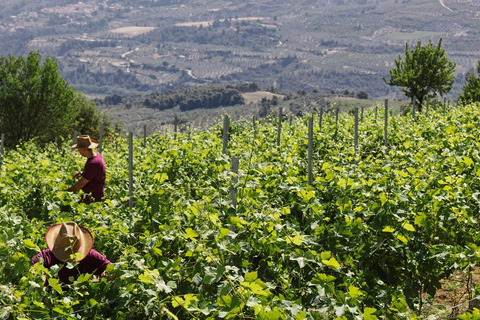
(137, 115)
(127, 47)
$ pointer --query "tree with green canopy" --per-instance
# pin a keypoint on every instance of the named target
(89, 118)
(471, 87)
(424, 72)
(35, 101)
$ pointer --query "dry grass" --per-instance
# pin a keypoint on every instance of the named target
(253, 97)
(132, 31)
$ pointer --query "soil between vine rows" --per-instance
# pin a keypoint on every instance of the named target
(453, 298)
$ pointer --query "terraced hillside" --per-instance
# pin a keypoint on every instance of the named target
(125, 46)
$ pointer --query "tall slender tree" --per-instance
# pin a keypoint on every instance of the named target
(471, 87)
(424, 72)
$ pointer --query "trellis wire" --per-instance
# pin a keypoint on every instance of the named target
(84, 309)
(435, 316)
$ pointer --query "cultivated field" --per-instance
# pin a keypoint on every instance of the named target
(343, 222)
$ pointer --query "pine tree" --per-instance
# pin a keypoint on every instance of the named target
(471, 87)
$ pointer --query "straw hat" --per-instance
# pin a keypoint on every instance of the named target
(84, 141)
(65, 239)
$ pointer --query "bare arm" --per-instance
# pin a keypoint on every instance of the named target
(78, 185)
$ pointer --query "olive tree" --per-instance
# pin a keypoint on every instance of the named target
(471, 87)
(424, 72)
(35, 101)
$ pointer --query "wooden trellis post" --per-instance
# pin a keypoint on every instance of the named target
(2, 144)
(413, 107)
(385, 130)
(144, 136)
(130, 169)
(175, 128)
(310, 150)
(320, 118)
(355, 143)
(100, 138)
(233, 192)
(226, 126)
(337, 109)
(279, 132)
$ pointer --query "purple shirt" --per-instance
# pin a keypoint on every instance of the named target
(93, 263)
(95, 172)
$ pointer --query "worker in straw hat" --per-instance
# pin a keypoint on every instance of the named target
(69, 242)
(92, 179)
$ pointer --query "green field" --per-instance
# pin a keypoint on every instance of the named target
(372, 237)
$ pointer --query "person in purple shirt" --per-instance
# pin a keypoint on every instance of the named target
(92, 179)
(69, 242)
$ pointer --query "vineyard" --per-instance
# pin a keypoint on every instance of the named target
(372, 236)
